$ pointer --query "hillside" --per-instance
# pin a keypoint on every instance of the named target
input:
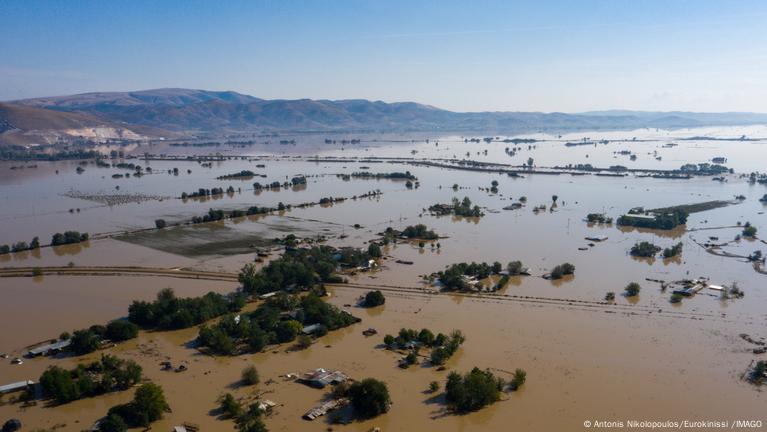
(212, 111)
(25, 125)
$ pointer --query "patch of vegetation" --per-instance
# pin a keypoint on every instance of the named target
(20, 246)
(749, 230)
(519, 378)
(69, 237)
(373, 299)
(88, 340)
(562, 270)
(598, 218)
(458, 277)
(418, 231)
(375, 251)
(278, 320)
(19, 153)
(473, 390)
(757, 374)
(229, 406)
(147, 406)
(247, 420)
(244, 174)
(644, 249)
(632, 289)
(515, 268)
(171, 312)
(458, 208)
(369, 397)
(442, 346)
(610, 296)
(704, 169)
(204, 193)
(433, 387)
(250, 375)
(663, 219)
(392, 175)
(106, 375)
(300, 269)
(673, 251)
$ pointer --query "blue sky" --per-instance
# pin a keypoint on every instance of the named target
(467, 56)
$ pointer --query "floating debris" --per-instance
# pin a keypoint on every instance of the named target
(323, 409)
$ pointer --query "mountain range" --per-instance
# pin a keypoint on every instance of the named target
(174, 112)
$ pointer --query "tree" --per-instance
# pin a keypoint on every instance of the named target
(519, 378)
(632, 289)
(426, 337)
(530, 162)
(257, 339)
(250, 375)
(369, 397)
(433, 386)
(58, 384)
(644, 249)
(749, 231)
(150, 401)
(374, 298)
(250, 420)
(229, 406)
(610, 296)
(389, 340)
(561, 270)
(439, 356)
(757, 374)
(113, 423)
(303, 341)
(84, 342)
(497, 267)
(120, 330)
(374, 250)
(514, 268)
(672, 251)
(287, 330)
(160, 223)
(472, 391)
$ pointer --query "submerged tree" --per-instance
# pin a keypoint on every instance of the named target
(632, 289)
(369, 397)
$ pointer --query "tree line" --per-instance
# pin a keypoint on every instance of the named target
(68, 237)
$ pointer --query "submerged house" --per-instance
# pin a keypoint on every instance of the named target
(597, 238)
(650, 217)
(320, 378)
(311, 329)
(49, 349)
(17, 386)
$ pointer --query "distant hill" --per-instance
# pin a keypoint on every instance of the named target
(211, 111)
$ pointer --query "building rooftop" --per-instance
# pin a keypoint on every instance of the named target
(15, 386)
(44, 349)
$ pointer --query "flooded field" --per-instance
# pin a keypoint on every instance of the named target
(640, 357)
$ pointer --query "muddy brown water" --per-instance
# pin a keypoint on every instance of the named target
(584, 362)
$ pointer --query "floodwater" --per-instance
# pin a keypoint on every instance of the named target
(640, 359)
